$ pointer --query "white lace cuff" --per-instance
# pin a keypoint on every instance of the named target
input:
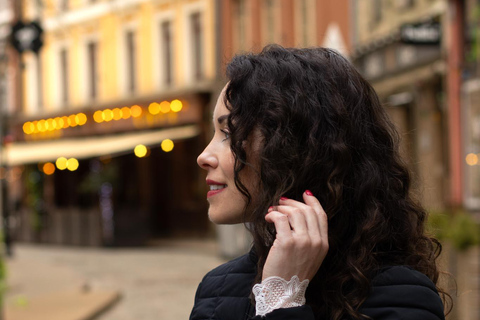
(275, 293)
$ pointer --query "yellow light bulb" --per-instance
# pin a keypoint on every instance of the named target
(176, 105)
(140, 151)
(41, 126)
(59, 123)
(72, 164)
(61, 163)
(167, 145)
(107, 115)
(35, 126)
(81, 119)
(28, 127)
(97, 116)
(50, 125)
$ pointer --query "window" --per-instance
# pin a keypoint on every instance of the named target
(64, 75)
(64, 5)
(92, 49)
(239, 15)
(403, 4)
(131, 57)
(304, 15)
(377, 12)
(197, 44)
(270, 22)
(166, 40)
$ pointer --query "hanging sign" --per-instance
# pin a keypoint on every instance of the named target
(428, 33)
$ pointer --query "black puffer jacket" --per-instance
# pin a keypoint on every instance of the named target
(397, 293)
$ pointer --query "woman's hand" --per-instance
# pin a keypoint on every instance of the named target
(301, 243)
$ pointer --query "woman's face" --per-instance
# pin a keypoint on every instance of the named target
(227, 204)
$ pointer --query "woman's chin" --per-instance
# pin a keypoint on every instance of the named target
(223, 219)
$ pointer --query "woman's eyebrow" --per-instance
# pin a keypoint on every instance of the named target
(221, 119)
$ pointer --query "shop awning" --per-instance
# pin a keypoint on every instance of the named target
(90, 147)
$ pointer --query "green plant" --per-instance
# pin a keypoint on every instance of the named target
(458, 227)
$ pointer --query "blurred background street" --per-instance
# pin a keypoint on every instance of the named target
(105, 105)
(153, 282)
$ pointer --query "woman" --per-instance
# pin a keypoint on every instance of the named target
(304, 153)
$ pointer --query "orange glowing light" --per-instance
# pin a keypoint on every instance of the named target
(98, 116)
(35, 128)
(59, 123)
(72, 120)
(65, 122)
(471, 159)
(107, 115)
(28, 127)
(165, 106)
(50, 124)
(81, 119)
(136, 111)
(48, 168)
(154, 108)
(41, 126)
(117, 114)
(126, 113)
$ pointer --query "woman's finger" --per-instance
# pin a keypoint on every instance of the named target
(311, 211)
(322, 218)
(299, 220)
(282, 225)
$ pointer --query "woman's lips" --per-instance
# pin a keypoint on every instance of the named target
(211, 193)
(216, 190)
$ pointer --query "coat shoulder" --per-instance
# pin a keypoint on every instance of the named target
(400, 292)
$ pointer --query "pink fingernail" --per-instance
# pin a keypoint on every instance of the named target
(270, 209)
(308, 193)
(283, 198)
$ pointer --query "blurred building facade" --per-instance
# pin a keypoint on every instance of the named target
(113, 75)
(421, 56)
(469, 14)
(410, 77)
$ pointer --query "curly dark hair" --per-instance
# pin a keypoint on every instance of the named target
(325, 130)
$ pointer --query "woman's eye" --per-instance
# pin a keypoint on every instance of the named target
(227, 134)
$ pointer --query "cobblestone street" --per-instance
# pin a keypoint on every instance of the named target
(155, 282)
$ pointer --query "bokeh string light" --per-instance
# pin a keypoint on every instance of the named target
(99, 116)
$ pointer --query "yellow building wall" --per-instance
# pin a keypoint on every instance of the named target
(108, 30)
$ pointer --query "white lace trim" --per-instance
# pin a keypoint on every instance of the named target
(275, 293)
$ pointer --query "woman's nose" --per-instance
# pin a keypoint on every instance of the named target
(207, 159)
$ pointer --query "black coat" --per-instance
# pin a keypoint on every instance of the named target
(397, 293)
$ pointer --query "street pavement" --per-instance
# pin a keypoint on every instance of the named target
(72, 283)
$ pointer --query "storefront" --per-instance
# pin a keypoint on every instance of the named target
(116, 175)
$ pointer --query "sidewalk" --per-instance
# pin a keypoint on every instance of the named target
(73, 305)
(70, 283)
(40, 288)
